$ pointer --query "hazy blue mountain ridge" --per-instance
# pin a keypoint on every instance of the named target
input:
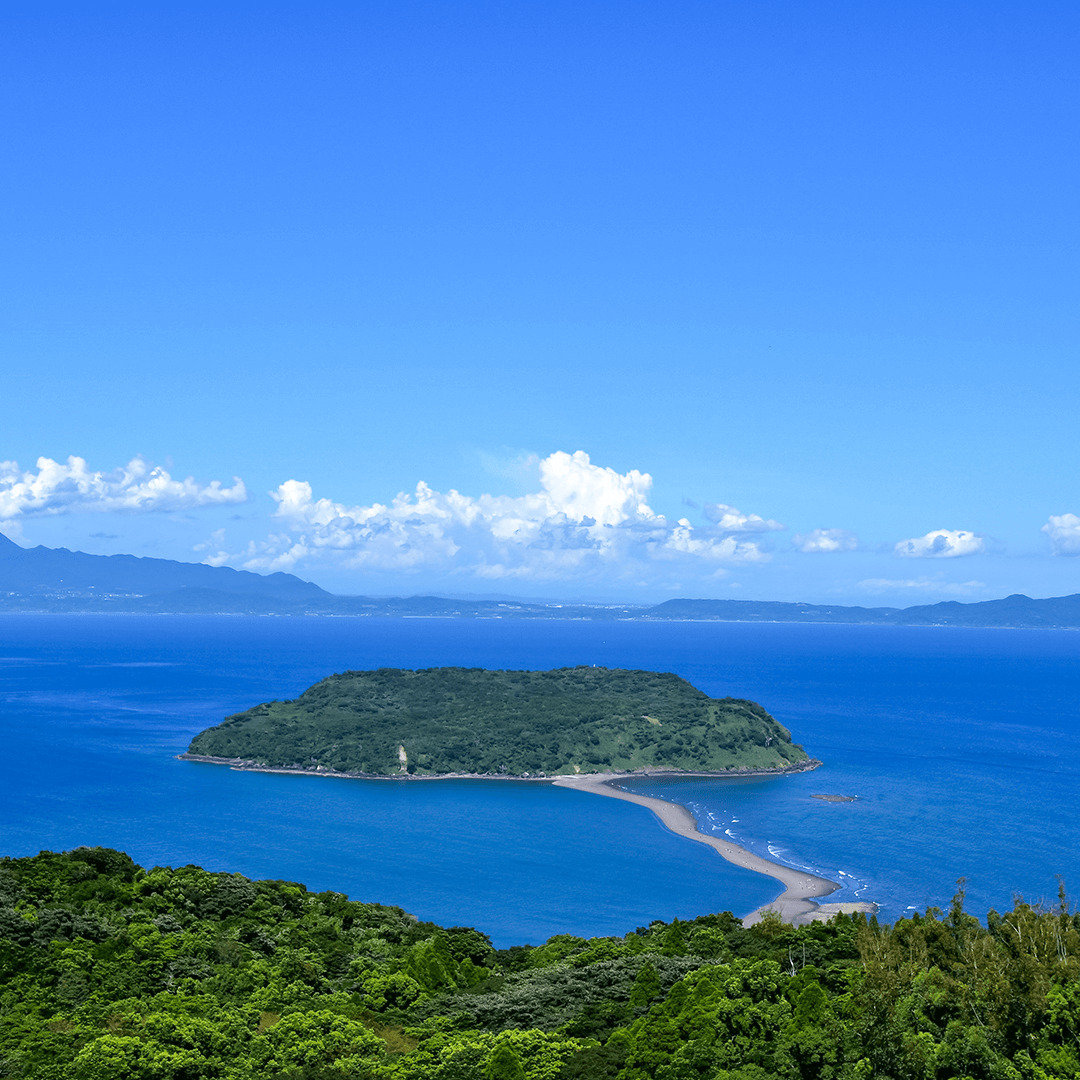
(59, 580)
(1012, 611)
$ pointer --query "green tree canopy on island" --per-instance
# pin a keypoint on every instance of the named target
(504, 723)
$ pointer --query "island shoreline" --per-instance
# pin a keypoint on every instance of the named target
(797, 903)
(250, 765)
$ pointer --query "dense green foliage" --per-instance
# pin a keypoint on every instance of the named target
(503, 723)
(108, 971)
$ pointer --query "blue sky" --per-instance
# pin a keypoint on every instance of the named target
(770, 300)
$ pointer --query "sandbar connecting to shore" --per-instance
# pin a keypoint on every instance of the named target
(796, 904)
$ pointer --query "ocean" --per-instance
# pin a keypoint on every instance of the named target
(960, 749)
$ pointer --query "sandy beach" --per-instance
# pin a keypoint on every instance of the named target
(796, 904)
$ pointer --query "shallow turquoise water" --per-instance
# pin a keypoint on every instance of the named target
(962, 746)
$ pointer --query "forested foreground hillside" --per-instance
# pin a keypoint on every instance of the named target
(503, 723)
(109, 971)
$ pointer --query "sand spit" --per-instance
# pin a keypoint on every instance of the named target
(796, 904)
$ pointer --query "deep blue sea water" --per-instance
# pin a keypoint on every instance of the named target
(962, 747)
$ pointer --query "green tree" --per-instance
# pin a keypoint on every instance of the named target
(504, 1064)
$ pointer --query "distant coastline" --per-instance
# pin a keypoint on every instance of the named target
(798, 901)
(45, 580)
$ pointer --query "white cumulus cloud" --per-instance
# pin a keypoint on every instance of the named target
(216, 555)
(940, 544)
(729, 519)
(71, 487)
(823, 540)
(923, 584)
(584, 518)
(1064, 533)
(580, 490)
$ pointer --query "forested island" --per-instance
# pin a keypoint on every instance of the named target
(475, 722)
(108, 970)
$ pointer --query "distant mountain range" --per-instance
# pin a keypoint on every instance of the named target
(45, 579)
(55, 579)
(1014, 611)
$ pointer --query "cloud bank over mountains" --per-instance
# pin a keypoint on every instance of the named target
(71, 487)
(937, 585)
(578, 525)
(585, 518)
